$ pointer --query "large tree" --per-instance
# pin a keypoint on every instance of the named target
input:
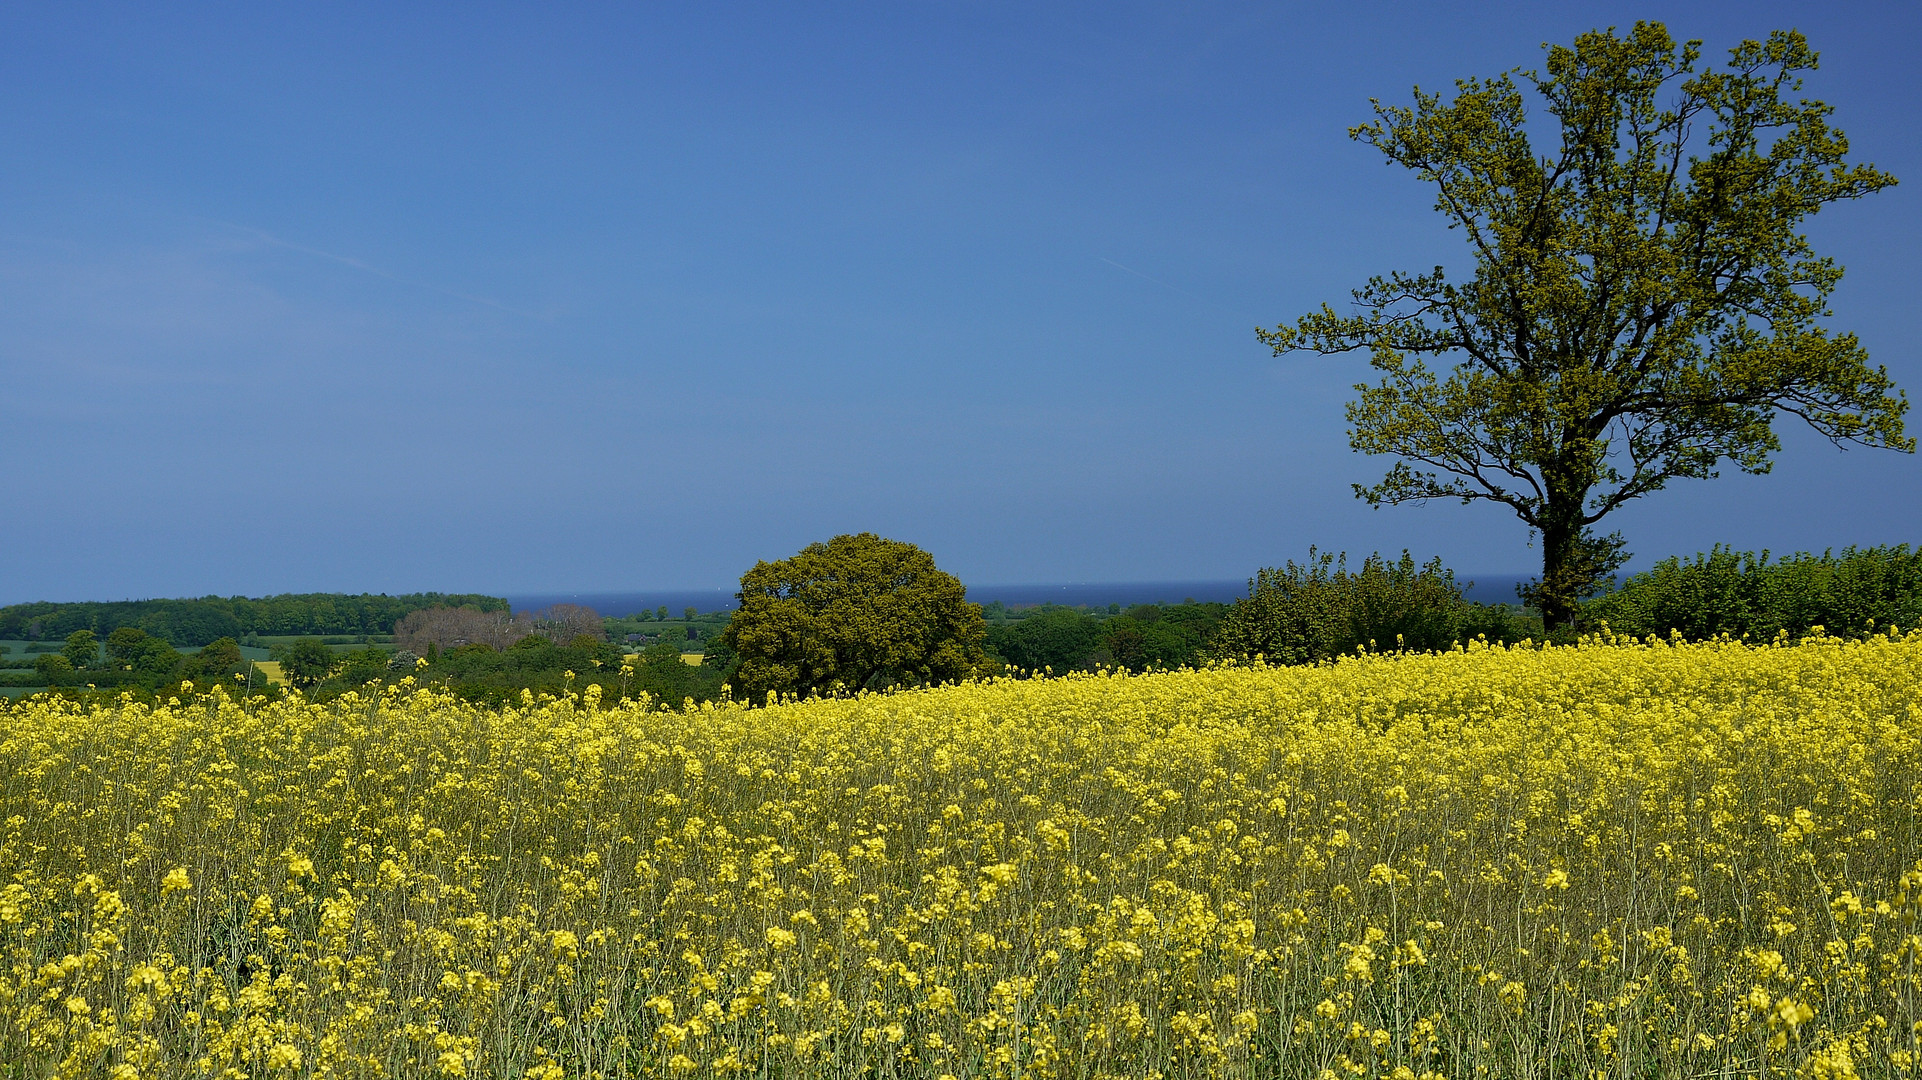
(856, 613)
(1642, 305)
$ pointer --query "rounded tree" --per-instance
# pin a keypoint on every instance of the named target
(82, 650)
(856, 613)
(306, 663)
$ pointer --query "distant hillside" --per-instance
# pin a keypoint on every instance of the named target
(188, 623)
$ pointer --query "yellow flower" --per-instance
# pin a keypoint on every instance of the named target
(1792, 1013)
(1105, 871)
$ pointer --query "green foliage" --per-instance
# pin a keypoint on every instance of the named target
(720, 656)
(122, 643)
(218, 661)
(858, 612)
(642, 629)
(199, 621)
(132, 649)
(1740, 593)
(83, 649)
(1643, 304)
(1149, 636)
(305, 663)
(360, 667)
(54, 668)
(660, 672)
(136, 661)
(1058, 639)
(539, 666)
(1303, 613)
(1141, 638)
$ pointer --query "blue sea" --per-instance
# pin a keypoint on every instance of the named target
(1487, 589)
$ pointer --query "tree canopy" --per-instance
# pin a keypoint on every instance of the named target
(858, 612)
(1642, 304)
(82, 649)
(305, 663)
(209, 618)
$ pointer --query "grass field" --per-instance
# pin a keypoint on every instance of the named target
(1612, 860)
(691, 659)
(17, 650)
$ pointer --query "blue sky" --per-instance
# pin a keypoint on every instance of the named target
(565, 297)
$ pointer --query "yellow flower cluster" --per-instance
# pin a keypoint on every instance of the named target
(1642, 859)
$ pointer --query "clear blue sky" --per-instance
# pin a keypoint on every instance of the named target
(564, 297)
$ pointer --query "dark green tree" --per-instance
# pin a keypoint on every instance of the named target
(219, 659)
(152, 658)
(122, 644)
(856, 613)
(53, 667)
(1642, 304)
(1054, 639)
(306, 663)
(82, 650)
(358, 668)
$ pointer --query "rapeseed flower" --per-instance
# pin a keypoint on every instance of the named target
(1617, 858)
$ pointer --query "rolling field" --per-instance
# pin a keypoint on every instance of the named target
(1623, 860)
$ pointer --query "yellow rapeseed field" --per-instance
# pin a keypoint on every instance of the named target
(1617, 859)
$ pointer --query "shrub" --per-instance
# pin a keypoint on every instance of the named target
(1743, 594)
(1302, 613)
(53, 667)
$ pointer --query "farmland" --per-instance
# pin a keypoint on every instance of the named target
(1616, 858)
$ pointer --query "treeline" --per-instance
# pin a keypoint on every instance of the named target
(1325, 608)
(539, 666)
(1743, 594)
(192, 623)
(1063, 639)
(131, 658)
(1298, 613)
(534, 665)
(495, 657)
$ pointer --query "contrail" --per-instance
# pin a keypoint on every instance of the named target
(275, 241)
(1158, 281)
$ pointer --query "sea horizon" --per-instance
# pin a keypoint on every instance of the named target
(1483, 588)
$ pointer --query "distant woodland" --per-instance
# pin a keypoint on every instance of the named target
(192, 623)
(1312, 612)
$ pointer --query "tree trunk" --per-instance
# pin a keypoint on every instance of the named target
(1561, 551)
